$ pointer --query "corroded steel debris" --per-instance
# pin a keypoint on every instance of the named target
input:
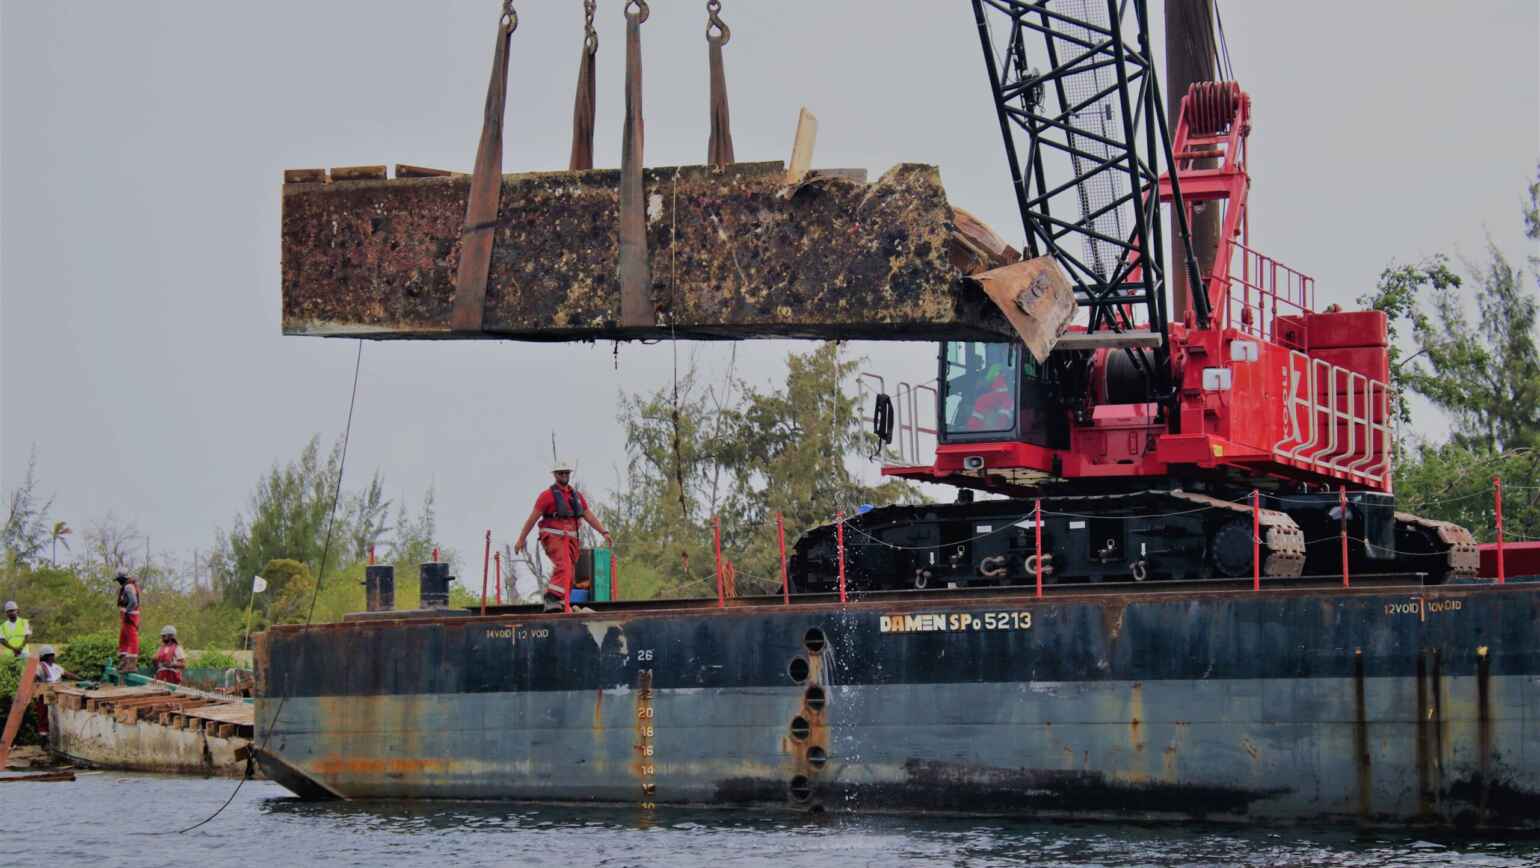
(734, 252)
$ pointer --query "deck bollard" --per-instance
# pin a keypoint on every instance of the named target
(380, 587)
(435, 579)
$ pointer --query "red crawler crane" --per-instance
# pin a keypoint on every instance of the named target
(1144, 438)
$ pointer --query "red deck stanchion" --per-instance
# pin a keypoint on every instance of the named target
(614, 577)
(1497, 492)
(435, 554)
(1037, 527)
(780, 533)
(1343, 512)
(839, 533)
(1256, 540)
(566, 597)
(371, 554)
(486, 553)
(716, 534)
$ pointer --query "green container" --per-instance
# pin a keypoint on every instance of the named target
(602, 575)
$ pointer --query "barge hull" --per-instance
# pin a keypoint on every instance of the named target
(1376, 706)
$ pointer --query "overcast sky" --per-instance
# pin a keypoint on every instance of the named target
(142, 146)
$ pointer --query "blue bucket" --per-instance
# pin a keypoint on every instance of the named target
(579, 595)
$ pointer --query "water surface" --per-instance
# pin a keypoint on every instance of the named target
(110, 818)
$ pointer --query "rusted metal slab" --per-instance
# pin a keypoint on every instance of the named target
(734, 252)
(1037, 299)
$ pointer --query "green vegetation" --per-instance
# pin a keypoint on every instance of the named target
(213, 660)
(72, 603)
(86, 656)
(741, 453)
(1485, 374)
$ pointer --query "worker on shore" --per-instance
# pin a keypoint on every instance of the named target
(48, 672)
(128, 630)
(170, 660)
(559, 509)
(14, 631)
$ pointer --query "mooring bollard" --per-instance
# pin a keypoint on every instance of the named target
(435, 585)
(380, 587)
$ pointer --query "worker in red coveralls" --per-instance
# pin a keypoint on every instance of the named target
(559, 509)
(128, 631)
(170, 659)
(993, 408)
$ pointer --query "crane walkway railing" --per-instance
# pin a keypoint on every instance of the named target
(1262, 291)
(1336, 421)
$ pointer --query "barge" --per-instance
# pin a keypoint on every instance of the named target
(1387, 703)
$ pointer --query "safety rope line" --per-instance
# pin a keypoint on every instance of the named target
(326, 548)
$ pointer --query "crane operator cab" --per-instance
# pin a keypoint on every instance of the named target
(996, 391)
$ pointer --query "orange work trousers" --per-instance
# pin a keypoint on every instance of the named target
(563, 552)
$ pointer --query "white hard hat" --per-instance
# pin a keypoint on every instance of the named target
(167, 630)
(10, 606)
(45, 651)
(559, 465)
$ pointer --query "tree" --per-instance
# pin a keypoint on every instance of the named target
(1486, 374)
(25, 531)
(111, 544)
(290, 514)
(789, 450)
(287, 518)
(1453, 482)
(1397, 294)
(739, 454)
(661, 511)
(367, 512)
(291, 587)
(57, 535)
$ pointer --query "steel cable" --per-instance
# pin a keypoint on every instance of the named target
(326, 547)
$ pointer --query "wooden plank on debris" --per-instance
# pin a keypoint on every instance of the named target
(19, 703)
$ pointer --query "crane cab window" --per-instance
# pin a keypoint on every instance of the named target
(980, 380)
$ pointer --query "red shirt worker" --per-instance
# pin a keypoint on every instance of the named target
(559, 509)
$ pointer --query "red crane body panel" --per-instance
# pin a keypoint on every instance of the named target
(1269, 388)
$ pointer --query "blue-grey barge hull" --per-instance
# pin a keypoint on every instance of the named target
(1387, 703)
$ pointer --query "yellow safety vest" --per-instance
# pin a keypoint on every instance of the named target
(13, 631)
